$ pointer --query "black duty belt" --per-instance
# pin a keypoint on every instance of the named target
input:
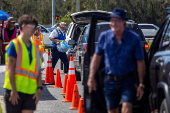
(119, 78)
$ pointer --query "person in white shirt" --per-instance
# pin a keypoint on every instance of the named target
(56, 37)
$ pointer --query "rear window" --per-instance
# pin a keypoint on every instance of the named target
(100, 28)
(135, 28)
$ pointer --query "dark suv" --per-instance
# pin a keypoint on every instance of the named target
(82, 45)
(95, 102)
(157, 79)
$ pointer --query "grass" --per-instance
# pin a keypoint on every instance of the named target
(0, 108)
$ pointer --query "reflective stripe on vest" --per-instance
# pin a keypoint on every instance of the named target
(18, 63)
(3, 35)
(40, 42)
(5, 42)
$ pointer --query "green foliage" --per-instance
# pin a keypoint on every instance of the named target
(141, 11)
(66, 18)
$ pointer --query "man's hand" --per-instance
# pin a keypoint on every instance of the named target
(91, 84)
(140, 92)
(1, 53)
(37, 96)
(57, 42)
(14, 97)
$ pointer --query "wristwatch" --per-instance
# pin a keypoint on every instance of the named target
(41, 88)
(142, 85)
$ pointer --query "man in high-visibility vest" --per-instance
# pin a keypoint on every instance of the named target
(56, 37)
(39, 39)
(23, 75)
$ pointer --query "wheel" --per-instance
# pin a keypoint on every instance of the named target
(78, 76)
(164, 107)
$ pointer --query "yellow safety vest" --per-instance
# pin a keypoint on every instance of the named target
(25, 73)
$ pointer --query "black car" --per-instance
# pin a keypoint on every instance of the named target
(81, 46)
(157, 79)
(159, 62)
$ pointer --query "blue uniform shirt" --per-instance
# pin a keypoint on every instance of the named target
(120, 59)
(61, 36)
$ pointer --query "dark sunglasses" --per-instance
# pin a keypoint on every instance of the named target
(12, 22)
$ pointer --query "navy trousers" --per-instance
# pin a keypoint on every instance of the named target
(55, 55)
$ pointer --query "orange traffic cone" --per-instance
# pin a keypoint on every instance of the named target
(49, 79)
(58, 82)
(71, 75)
(65, 84)
(68, 92)
(81, 105)
(75, 99)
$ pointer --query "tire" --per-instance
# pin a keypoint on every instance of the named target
(164, 107)
(78, 75)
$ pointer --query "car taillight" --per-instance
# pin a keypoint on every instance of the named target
(86, 47)
(146, 47)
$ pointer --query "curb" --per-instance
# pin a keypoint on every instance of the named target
(2, 104)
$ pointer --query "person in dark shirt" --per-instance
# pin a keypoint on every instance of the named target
(122, 50)
(7, 34)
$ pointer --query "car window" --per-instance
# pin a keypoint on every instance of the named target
(150, 27)
(69, 28)
(99, 29)
(142, 26)
(85, 35)
(165, 43)
(43, 30)
(136, 29)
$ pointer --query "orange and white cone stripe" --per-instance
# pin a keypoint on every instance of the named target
(49, 62)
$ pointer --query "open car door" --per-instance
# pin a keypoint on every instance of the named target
(95, 102)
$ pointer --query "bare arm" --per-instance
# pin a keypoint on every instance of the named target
(141, 70)
(11, 71)
(52, 39)
(39, 83)
(94, 65)
(55, 41)
(141, 74)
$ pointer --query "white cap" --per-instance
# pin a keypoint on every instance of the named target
(63, 24)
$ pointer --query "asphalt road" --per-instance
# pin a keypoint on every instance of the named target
(50, 101)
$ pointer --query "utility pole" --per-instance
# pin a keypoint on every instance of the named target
(77, 5)
(53, 12)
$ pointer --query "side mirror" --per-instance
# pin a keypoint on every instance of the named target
(71, 42)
